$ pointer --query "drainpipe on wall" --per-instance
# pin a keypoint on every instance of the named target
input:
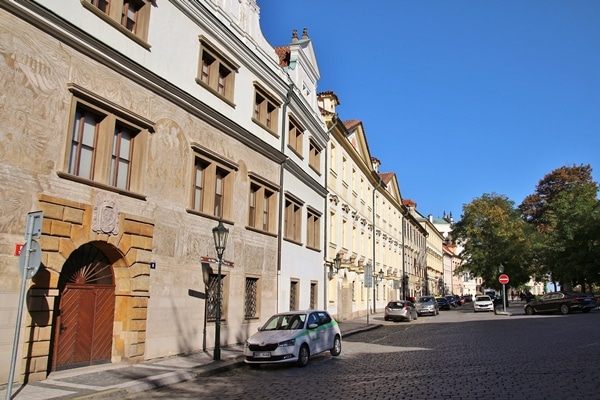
(374, 272)
(326, 219)
(288, 98)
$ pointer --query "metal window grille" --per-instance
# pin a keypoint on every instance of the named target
(211, 298)
(313, 296)
(293, 288)
(250, 305)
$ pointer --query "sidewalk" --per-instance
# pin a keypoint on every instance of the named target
(117, 380)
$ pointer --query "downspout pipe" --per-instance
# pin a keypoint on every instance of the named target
(374, 272)
(334, 119)
(288, 99)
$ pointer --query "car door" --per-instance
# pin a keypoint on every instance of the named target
(314, 333)
(547, 303)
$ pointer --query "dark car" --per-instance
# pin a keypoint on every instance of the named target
(562, 302)
(443, 303)
(400, 310)
(452, 300)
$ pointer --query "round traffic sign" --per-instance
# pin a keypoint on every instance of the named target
(35, 257)
(503, 279)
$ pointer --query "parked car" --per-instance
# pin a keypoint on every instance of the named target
(562, 302)
(294, 336)
(400, 310)
(483, 303)
(467, 298)
(452, 300)
(427, 305)
(443, 303)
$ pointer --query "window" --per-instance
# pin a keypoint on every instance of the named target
(313, 296)
(131, 17)
(213, 179)
(216, 72)
(295, 137)
(313, 229)
(266, 109)
(251, 299)
(314, 157)
(292, 220)
(294, 295)
(107, 145)
(211, 298)
(262, 205)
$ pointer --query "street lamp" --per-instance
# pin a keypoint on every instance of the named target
(337, 263)
(375, 276)
(220, 236)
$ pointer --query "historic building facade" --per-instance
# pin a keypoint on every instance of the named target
(136, 129)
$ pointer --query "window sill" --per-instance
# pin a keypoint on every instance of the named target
(213, 91)
(209, 216)
(257, 122)
(99, 185)
(253, 229)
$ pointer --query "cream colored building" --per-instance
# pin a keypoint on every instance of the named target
(365, 225)
(135, 136)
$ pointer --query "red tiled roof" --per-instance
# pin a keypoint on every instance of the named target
(351, 123)
(283, 52)
(386, 177)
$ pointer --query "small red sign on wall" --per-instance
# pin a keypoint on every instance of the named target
(18, 248)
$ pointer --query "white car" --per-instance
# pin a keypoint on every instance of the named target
(294, 336)
(483, 303)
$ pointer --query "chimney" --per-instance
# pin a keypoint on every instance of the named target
(295, 36)
(305, 34)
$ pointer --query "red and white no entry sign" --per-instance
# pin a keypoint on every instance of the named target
(503, 279)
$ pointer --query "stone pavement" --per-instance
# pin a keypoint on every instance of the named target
(117, 380)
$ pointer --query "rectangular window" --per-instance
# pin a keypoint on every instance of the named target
(261, 207)
(251, 298)
(211, 298)
(295, 137)
(131, 17)
(106, 148)
(293, 222)
(265, 110)
(313, 296)
(212, 184)
(294, 295)
(216, 72)
(314, 157)
(313, 229)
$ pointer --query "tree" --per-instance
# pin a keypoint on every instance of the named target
(565, 211)
(492, 232)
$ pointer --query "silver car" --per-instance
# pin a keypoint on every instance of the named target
(427, 305)
(400, 310)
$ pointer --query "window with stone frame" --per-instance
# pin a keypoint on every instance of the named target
(107, 145)
(313, 229)
(314, 156)
(251, 298)
(294, 294)
(213, 180)
(131, 17)
(295, 137)
(265, 109)
(216, 71)
(262, 204)
(293, 219)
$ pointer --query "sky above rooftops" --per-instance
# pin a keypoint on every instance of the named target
(459, 98)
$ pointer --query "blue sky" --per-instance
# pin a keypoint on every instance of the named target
(459, 98)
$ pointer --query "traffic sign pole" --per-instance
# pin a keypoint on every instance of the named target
(503, 279)
(33, 229)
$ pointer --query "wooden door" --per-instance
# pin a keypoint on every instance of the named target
(84, 326)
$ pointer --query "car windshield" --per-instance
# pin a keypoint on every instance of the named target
(426, 300)
(395, 304)
(285, 322)
(483, 298)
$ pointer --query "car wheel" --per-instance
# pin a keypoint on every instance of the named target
(529, 310)
(564, 309)
(303, 356)
(337, 346)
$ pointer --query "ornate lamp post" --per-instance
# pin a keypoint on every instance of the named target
(337, 263)
(375, 277)
(220, 236)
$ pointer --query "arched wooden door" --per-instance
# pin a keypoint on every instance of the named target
(84, 322)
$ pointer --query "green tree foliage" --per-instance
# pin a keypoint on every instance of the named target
(492, 232)
(565, 211)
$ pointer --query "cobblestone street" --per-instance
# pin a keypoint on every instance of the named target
(457, 355)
